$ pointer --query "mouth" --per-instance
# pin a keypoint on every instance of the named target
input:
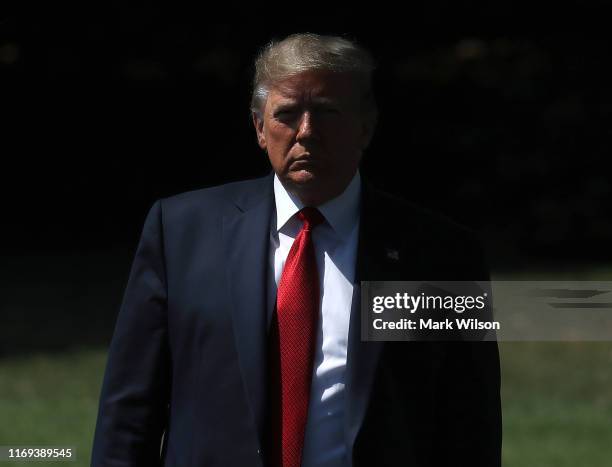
(304, 170)
(305, 162)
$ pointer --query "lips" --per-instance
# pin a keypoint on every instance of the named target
(304, 163)
(306, 157)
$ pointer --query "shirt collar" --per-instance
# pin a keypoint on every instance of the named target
(342, 212)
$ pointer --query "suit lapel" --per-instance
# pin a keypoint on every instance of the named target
(246, 241)
(379, 257)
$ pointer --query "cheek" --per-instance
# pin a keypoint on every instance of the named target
(344, 138)
(278, 136)
(279, 142)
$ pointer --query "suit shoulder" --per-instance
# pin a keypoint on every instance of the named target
(429, 222)
(216, 197)
(446, 248)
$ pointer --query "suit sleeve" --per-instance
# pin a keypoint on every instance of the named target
(134, 400)
(469, 411)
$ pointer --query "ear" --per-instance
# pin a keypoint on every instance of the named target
(258, 123)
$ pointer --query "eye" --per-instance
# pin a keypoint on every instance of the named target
(285, 114)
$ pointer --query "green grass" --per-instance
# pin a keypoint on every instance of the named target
(557, 397)
(557, 401)
(51, 400)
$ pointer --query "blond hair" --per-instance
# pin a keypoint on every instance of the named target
(298, 53)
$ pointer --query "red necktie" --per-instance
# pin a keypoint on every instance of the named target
(297, 308)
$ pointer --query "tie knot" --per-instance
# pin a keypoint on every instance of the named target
(311, 217)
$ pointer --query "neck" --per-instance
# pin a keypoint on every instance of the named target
(316, 196)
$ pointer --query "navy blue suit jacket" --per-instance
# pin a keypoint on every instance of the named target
(185, 383)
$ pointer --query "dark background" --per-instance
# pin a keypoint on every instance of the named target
(497, 116)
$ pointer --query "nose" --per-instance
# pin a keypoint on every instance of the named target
(306, 129)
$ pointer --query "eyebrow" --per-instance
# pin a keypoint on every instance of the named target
(290, 103)
(287, 103)
(285, 106)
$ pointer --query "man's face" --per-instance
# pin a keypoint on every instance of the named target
(314, 133)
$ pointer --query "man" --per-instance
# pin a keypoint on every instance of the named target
(238, 339)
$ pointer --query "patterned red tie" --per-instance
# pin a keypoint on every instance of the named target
(297, 308)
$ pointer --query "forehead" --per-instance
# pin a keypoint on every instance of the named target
(311, 85)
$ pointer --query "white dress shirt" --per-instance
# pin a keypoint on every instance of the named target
(335, 244)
